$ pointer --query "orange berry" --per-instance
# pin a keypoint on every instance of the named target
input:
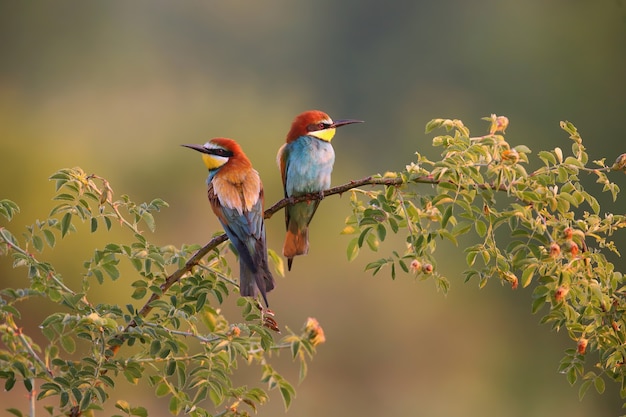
(555, 250)
(567, 233)
(560, 293)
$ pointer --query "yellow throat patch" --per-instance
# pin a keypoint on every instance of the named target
(213, 161)
(325, 134)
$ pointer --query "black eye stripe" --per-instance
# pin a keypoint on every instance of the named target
(317, 126)
(220, 152)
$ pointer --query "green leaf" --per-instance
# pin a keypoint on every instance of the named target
(38, 243)
(15, 412)
(149, 220)
(353, 249)
(66, 222)
(584, 387)
(527, 275)
(123, 405)
(49, 236)
(481, 228)
(287, 392)
(139, 411)
(175, 406)
(111, 270)
(598, 383)
(381, 231)
(68, 344)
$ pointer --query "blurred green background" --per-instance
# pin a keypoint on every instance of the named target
(115, 87)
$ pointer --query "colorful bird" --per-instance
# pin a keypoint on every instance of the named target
(306, 162)
(236, 195)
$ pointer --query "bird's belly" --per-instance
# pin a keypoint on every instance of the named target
(310, 173)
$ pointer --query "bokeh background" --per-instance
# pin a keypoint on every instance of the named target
(115, 87)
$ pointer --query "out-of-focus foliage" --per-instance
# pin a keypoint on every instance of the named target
(538, 228)
(187, 350)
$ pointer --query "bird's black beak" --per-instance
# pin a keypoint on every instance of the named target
(339, 123)
(198, 148)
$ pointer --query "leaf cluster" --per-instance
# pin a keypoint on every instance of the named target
(539, 229)
(179, 342)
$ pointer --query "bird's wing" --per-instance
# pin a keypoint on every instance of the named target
(283, 163)
(244, 228)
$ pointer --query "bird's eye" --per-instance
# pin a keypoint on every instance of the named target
(222, 152)
(317, 126)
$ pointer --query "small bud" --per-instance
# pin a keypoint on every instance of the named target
(560, 293)
(571, 248)
(416, 266)
(510, 155)
(581, 347)
(235, 331)
(615, 326)
(427, 268)
(511, 278)
(555, 250)
(620, 163)
(498, 124)
(567, 233)
(314, 331)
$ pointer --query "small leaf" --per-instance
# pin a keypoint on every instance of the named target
(527, 275)
(123, 405)
(481, 228)
(584, 387)
(49, 236)
(68, 344)
(38, 243)
(66, 222)
(598, 383)
(353, 249)
(15, 412)
(287, 392)
(149, 220)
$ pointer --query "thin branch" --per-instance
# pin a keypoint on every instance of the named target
(217, 240)
(213, 243)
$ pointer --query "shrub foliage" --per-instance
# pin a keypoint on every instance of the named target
(534, 228)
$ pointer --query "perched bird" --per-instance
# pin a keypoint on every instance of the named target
(306, 162)
(236, 195)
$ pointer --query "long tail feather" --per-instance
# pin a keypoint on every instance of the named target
(296, 243)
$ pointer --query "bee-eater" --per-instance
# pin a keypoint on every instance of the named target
(306, 162)
(236, 195)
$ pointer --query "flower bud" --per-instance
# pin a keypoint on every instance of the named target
(416, 266)
(581, 346)
(555, 250)
(510, 155)
(498, 124)
(560, 293)
(314, 331)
